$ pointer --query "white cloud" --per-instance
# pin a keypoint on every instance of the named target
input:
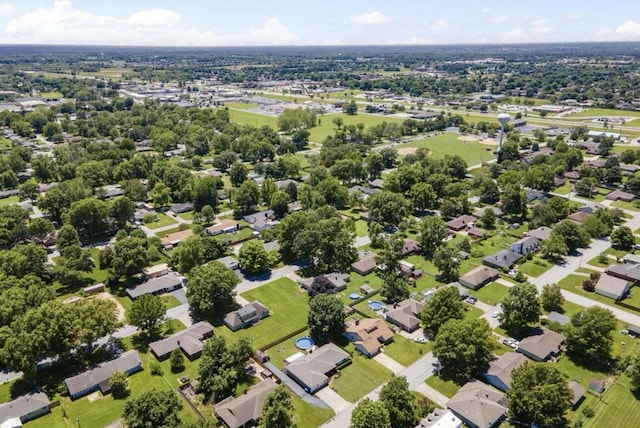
(442, 24)
(540, 27)
(574, 15)
(6, 9)
(370, 18)
(62, 23)
(628, 31)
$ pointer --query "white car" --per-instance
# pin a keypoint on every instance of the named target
(495, 314)
(420, 339)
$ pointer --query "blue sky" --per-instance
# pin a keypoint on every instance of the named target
(305, 22)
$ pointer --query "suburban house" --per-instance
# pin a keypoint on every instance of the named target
(578, 217)
(478, 405)
(365, 191)
(535, 195)
(181, 208)
(190, 341)
(337, 280)
(499, 372)
(312, 371)
(156, 271)
(97, 378)
(503, 259)
(629, 168)
(405, 314)
(378, 183)
(558, 317)
(475, 233)
(542, 345)
(173, 239)
(572, 176)
(619, 195)
(541, 233)
(260, 220)
(630, 272)
(440, 419)
(410, 247)
(631, 259)
(578, 393)
(244, 411)
(480, 211)
(612, 287)
(479, 277)
(366, 263)
(369, 335)
(246, 316)
(461, 222)
(283, 184)
(525, 245)
(159, 285)
(24, 409)
(224, 226)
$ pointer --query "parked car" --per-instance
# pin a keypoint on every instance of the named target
(471, 300)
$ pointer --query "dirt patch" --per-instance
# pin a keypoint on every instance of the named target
(407, 151)
(120, 312)
(489, 142)
(467, 138)
(93, 397)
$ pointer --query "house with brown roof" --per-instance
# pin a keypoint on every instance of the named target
(478, 405)
(499, 371)
(410, 247)
(572, 176)
(542, 344)
(479, 277)
(578, 392)
(245, 410)
(336, 279)
(173, 239)
(366, 264)
(619, 195)
(461, 222)
(578, 217)
(246, 316)
(190, 341)
(224, 226)
(405, 314)
(369, 335)
(475, 233)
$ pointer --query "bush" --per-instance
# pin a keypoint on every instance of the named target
(156, 368)
(119, 384)
(176, 361)
(603, 259)
(183, 226)
(589, 285)
(520, 277)
(588, 412)
(149, 218)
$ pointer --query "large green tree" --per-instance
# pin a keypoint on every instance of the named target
(147, 312)
(551, 297)
(210, 290)
(590, 334)
(539, 395)
(464, 347)
(399, 402)
(253, 257)
(433, 231)
(326, 318)
(573, 236)
(446, 259)
(388, 208)
(277, 410)
(444, 305)
(520, 308)
(221, 367)
(153, 409)
(622, 238)
(196, 251)
(129, 257)
(370, 414)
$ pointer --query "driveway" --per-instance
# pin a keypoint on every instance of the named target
(433, 395)
(329, 396)
(389, 363)
(180, 294)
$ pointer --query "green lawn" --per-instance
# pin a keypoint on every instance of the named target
(361, 228)
(564, 189)
(617, 408)
(254, 119)
(326, 126)
(97, 275)
(448, 144)
(162, 221)
(406, 351)
(535, 267)
(240, 105)
(355, 281)
(10, 200)
(596, 262)
(288, 305)
(625, 205)
(52, 95)
(186, 216)
(285, 349)
(573, 283)
(592, 112)
(491, 293)
(446, 387)
(308, 415)
(359, 378)
(242, 234)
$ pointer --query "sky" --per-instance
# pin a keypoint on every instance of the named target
(320, 22)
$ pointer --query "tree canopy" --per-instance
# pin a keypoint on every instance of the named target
(326, 318)
(445, 304)
(520, 307)
(210, 290)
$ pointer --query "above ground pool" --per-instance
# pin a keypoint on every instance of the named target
(375, 305)
(304, 343)
(354, 296)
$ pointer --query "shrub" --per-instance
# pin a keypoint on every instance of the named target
(589, 285)
(149, 218)
(176, 361)
(588, 412)
(156, 368)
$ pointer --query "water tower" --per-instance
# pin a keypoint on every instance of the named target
(503, 118)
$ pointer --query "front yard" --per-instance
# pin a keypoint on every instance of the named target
(359, 378)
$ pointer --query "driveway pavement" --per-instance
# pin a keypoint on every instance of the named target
(389, 363)
(333, 399)
(433, 395)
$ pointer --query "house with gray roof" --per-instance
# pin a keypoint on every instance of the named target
(246, 316)
(542, 233)
(503, 259)
(542, 344)
(245, 410)
(478, 405)
(97, 378)
(336, 279)
(619, 195)
(612, 287)
(313, 370)
(499, 371)
(630, 272)
(405, 314)
(158, 285)
(24, 409)
(558, 317)
(525, 245)
(479, 277)
(189, 341)
(366, 264)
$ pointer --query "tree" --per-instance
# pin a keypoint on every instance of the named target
(326, 317)
(321, 285)
(279, 203)
(399, 402)
(622, 238)
(119, 384)
(422, 196)
(514, 201)
(554, 246)
(590, 334)
(90, 216)
(253, 257)
(129, 257)
(551, 298)
(572, 235)
(206, 192)
(161, 195)
(196, 251)
(247, 196)
(40, 229)
(350, 108)
(634, 374)
(433, 231)
(221, 367)
(176, 361)
(595, 227)
(388, 208)
(395, 287)
(464, 347)
(585, 186)
(445, 304)
(539, 395)
(121, 211)
(520, 307)
(446, 260)
(153, 409)
(488, 218)
(277, 410)
(147, 312)
(370, 414)
(210, 290)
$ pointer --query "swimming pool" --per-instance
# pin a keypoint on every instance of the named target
(354, 296)
(304, 343)
(375, 305)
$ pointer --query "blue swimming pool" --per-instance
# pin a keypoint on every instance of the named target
(354, 296)
(304, 343)
(375, 305)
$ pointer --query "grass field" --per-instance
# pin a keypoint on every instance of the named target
(406, 351)
(307, 415)
(359, 378)
(51, 95)
(10, 200)
(472, 152)
(240, 105)
(593, 112)
(163, 220)
(326, 126)
(288, 306)
(535, 267)
(253, 119)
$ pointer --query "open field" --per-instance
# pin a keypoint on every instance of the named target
(253, 119)
(491, 293)
(10, 200)
(51, 95)
(596, 112)
(326, 126)
(617, 408)
(446, 387)
(472, 152)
